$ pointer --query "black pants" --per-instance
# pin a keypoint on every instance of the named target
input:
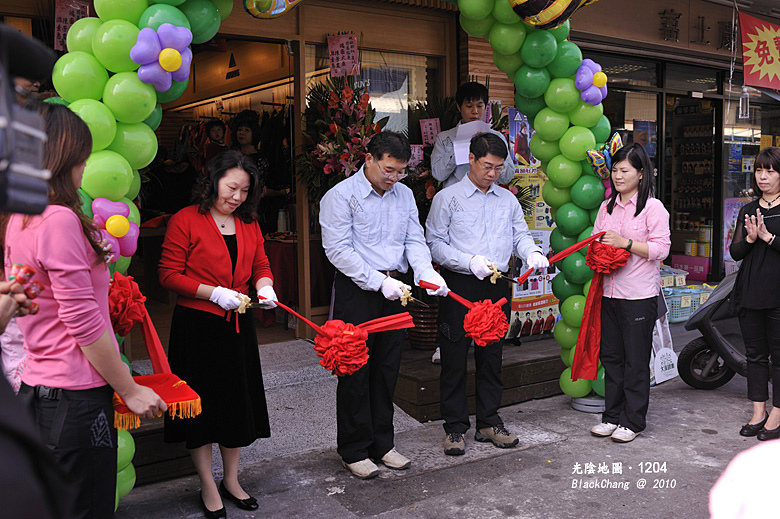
(626, 344)
(761, 333)
(78, 428)
(364, 400)
(454, 347)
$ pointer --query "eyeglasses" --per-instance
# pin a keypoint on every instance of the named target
(497, 169)
(392, 176)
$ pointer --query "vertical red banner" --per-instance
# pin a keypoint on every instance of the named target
(66, 12)
(343, 54)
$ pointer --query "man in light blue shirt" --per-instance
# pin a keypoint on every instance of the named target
(372, 234)
(472, 99)
(472, 226)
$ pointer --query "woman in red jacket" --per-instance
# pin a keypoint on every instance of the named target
(211, 254)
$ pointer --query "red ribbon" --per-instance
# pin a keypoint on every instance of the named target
(568, 251)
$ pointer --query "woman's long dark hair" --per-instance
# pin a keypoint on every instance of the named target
(636, 155)
(206, 194)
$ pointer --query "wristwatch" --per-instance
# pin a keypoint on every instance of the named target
(630, 243)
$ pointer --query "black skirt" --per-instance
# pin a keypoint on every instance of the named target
(224, 368)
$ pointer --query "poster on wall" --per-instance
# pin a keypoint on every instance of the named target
(731, 207)
(66, 13)
(343, 54)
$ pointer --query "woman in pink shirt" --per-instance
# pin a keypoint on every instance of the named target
(73, 363)
(639, 223)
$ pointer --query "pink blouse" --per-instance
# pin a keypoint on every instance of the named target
(640, 277)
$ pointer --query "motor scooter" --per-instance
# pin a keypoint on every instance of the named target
(711, 360)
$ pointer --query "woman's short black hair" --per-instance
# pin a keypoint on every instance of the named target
(394, 144)
(636, 155)
(484, 143)
(471, 91)
(766, 158)
(206, 194)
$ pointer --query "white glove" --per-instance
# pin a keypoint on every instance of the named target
(267, 297)
(226, 298)
(392, 289)
(480, 267)
(436, 279)
(537, 260)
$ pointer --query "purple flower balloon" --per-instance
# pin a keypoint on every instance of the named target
(152, 47)
(588, 73)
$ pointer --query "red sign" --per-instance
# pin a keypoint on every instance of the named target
(760, 52)
(66, 13)
(343, 53)
(430, 128)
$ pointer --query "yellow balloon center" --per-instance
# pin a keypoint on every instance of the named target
(117, 226)
(170, 59)
(599, 79)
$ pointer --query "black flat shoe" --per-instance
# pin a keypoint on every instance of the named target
(211, 514)
(752, 429)
(768, 434)
(249, 503)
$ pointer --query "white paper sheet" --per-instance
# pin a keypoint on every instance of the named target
(463, 139)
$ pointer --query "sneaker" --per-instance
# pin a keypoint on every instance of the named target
(623, 435)
(436, 359)
(454, 444)
(364, 469)
(603, 429)
(498, 435)
(395, 460)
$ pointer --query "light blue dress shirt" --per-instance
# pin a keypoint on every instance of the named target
(465, 222)
(364, 234)
(444, 169)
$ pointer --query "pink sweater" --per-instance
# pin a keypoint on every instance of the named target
(73, 306)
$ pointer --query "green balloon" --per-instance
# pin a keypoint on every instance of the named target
(561, 32)
(575, 389)
(563, 172)
(128, 10)
(503, 12)
(593, 213)
(551, 125)
(553, 211)
(172, 94)
(588, 192)
(156, 15)
(170, 2)
(99, 119)
(576, 270)
(531, 82)
(586, 115)
(572, 309)
(154, 120)
(586, 286)
(120, 340)
(529, 106)
(135, 215)
(107, 174)
(598, 384)
(224, 7)
(125, 449)
(477, 28)
(112, 43)
(568, 59)
(475, 9)
(560, 242)
(583, 236)
(576, 142)
(508, 64)
(204, 19)
(506, 39)
(587, 168)
(571, 219)
(86, 203)
(566, 356)
(56, 100)
(602, 130)
(125, 480)
(135, 188)
(539, 49)
(542, 149)
(122, 264)
(80, 34)
(78, 75)
(130, 99)
(562, 96)
(565, 335)
(136, 142)
(563, 288)
(555, 197)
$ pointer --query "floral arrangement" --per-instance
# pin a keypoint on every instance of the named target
(339, 124)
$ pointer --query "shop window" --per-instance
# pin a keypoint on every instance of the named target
(623, 70)
(691, 79)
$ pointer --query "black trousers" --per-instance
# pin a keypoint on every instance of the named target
(761, 333)
(78, 428)
(454, 348)
(364, 400)
(626, 344)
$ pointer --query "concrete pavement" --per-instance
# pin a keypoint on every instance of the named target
(666, 472)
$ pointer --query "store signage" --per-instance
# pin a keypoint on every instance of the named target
(343, 53)
(430, 128)
(760, 52)
(66, 12)
(233, 70)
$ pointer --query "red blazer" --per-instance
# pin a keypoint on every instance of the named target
(194, 252)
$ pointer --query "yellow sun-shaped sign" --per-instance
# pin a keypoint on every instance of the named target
(761, 52)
